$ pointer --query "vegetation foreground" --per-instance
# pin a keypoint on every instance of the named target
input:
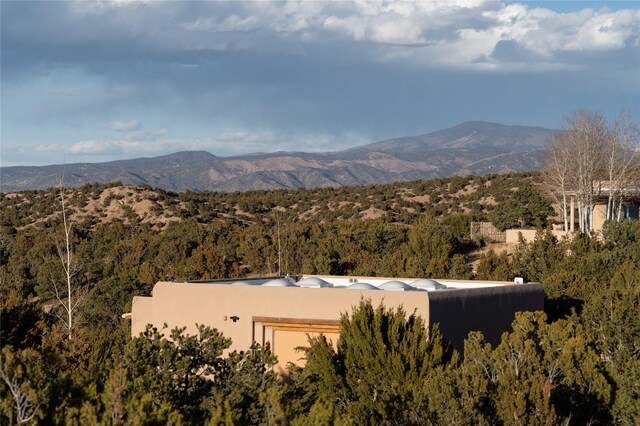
(576, 363)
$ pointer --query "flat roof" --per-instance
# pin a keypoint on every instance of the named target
(360, 282)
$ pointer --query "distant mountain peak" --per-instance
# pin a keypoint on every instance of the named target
(472, 147)
(191, 154)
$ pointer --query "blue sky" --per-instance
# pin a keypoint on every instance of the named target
(97, 81)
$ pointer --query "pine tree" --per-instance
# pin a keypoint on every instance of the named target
(378, 372)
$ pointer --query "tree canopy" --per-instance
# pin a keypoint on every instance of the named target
(576, 362)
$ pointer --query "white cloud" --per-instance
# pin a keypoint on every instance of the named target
(462, 32)
(146, 135)
(97, 7)
(231, 23)
(548, 32)
(88, 147)
(449, 34)
(123, 126)
(605, 31)
(225, 144)
(545, 34)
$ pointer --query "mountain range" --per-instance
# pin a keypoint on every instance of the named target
(473, 147)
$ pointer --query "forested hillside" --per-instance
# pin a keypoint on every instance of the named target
(402, 202)
(580, 362)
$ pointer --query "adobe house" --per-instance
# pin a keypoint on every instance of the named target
(280, 313)
(628, 210)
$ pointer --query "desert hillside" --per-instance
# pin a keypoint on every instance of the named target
(472, 148)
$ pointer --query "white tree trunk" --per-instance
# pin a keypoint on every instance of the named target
(564, 211)
(69, 266)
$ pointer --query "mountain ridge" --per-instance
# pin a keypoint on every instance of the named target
(473, 147)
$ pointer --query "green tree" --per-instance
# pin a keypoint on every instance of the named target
(189, 374)
(23, 386)
(246, 390)
(177, 370)
(377, 374)
(459, 268)
(533, 261)
(494, 267)
(429, 249)
(22, 320)
(547, 373)
(460, 392)
(611, 319)
(524, 207)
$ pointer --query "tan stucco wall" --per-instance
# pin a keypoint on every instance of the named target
(490, 309)
(143, 309)
(288, 341)
(181, 304)
(513, 235)
(598, 217)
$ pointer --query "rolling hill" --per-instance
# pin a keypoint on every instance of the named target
(470, 148)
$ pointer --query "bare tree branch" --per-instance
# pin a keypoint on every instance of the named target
(590, 159)
(24, 407)
(64, 249)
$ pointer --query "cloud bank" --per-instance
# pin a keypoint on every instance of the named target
(335, 73)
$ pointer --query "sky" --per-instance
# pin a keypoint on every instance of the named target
(94, 81)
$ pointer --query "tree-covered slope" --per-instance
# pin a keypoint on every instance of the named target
(578, 361)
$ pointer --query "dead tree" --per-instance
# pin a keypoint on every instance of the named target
(67, 295)
(577, 153)
(556, 174)
(590, 158)
(622, 165)
(23, 404)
